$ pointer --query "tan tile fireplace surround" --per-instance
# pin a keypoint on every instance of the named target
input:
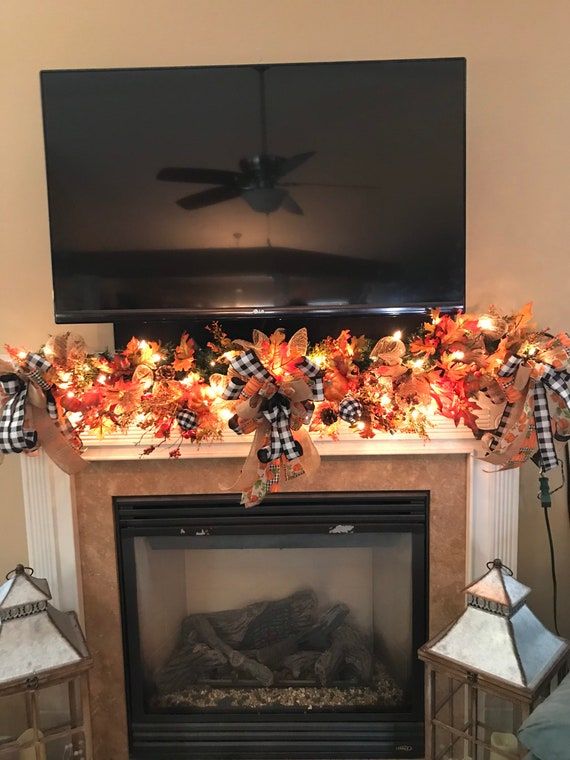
(472, 517)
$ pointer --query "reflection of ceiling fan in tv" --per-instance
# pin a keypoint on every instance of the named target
(259, 181)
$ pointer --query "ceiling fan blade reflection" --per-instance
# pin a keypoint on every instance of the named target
(290, 204)
(288, 164)
(200, 176)
(208, 198)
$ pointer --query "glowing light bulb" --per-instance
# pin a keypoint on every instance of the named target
(319, 359)
(532, 350)
(212, 363)
(485, 323)
(229, 355)
(22, 354)
(156, 357)
(418, 363)
(140, 417)
(70, 394)
(361, 425)
(385, 399)
(226, 414)
(48, 350)
(458, 355)
(143, 344)
(102, 379)
(397, 335)
(415, 414)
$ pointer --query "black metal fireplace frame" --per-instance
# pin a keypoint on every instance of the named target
(246, 736)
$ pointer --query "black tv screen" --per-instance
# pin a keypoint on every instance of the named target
(318, 188)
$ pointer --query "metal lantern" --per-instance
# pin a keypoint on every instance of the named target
(43, 674)
(487, 671)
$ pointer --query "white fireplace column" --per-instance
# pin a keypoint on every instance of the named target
(492, 498)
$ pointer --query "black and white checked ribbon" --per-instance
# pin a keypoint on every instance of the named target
(187, 420)
(558, 381)
(277, 411)
(350, 409)
(315, 374)
(13, 438)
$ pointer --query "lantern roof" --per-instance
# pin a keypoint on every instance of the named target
(497, 635)
(35, 637)
(498, 586)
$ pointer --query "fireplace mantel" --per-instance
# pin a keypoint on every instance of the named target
(444, 438)
(492, 498)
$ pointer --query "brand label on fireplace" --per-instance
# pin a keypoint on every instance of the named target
(404, 747)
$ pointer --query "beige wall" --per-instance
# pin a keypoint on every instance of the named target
(518, 159)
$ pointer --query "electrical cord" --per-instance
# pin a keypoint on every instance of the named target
(545, 497)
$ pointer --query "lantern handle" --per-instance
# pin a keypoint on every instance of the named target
(498, 563)
(19, 570)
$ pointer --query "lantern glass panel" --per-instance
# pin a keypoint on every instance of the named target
(13, 718)
(450, 701)
(53, 707)
(66, 748)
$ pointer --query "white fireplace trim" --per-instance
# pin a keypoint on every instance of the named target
(492, 498)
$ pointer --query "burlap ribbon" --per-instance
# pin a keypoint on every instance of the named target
(526, 423)
(275, 409)
(29, 416)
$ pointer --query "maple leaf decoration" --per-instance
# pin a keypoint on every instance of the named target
(184, 354)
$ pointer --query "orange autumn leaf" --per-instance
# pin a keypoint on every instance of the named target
(184, 354)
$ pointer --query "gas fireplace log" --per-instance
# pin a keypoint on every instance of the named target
(348, 648)
(301, 663)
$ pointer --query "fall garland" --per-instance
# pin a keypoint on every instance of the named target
(499, 375)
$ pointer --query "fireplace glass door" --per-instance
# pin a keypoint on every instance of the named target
(307, 615)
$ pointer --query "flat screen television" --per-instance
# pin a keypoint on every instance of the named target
(240, 191)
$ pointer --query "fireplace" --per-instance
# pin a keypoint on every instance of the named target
(284, 632)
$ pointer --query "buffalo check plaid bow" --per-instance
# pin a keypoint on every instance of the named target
(13, 437)
(558, 381)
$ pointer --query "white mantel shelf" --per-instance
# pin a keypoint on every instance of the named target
(444, 438)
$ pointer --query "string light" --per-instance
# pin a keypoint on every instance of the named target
(70, 394)
(486, 323)
(212, 363)
(319, 359)
(418, 363)
(22, 354)
(226, 414)
(101, 379)
(143, 344)
(361, 425)
(385, 399)
(458, 355)
(156, 357)
(397, 335)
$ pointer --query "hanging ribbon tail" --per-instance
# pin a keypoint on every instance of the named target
(277, 412)
(55, 444)
(249, 470)
(16, 435)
